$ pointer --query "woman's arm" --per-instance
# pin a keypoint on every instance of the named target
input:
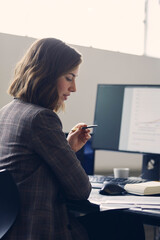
(51, 145)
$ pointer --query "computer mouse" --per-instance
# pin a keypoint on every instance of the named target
(110, 188)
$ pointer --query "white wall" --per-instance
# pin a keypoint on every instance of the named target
(11, 50)
(99, 66)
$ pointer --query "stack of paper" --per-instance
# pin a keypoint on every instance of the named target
(145, 203)
(145, 188)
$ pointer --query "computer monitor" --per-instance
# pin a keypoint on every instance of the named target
(128, 119)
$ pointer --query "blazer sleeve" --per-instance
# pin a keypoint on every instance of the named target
(51, 145)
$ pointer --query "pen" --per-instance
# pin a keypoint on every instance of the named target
(89, 126)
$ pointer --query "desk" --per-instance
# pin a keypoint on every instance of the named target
(79, 208)
(150, 217)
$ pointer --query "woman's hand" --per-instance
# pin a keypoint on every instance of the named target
(78, 137)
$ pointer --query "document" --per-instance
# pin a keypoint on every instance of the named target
(111, 206)
(146, 203)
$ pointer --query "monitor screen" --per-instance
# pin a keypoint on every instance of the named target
(128, 118)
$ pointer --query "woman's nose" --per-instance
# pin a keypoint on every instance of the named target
(73, 86)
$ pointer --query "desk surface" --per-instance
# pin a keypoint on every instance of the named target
(148, 208)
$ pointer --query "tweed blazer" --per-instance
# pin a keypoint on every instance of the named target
(47, 172)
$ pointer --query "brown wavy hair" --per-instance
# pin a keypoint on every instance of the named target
(35, 77)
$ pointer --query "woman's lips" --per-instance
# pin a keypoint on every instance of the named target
(65, 96)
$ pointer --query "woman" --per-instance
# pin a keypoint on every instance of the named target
(42, 162)
(33, 146)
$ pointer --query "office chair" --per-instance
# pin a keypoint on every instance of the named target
(86, 156)
(9, 202)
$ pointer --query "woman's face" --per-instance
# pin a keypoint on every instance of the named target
(66, 84)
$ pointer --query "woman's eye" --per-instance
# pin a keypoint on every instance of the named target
(68, 79)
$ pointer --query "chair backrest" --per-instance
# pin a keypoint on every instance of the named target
(9, 202)
(86, 156)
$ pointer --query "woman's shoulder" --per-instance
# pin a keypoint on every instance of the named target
(30, 107)
(33, 112)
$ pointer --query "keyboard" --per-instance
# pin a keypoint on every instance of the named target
(98, 180)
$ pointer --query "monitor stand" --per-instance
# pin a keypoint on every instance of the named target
(151, 167)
